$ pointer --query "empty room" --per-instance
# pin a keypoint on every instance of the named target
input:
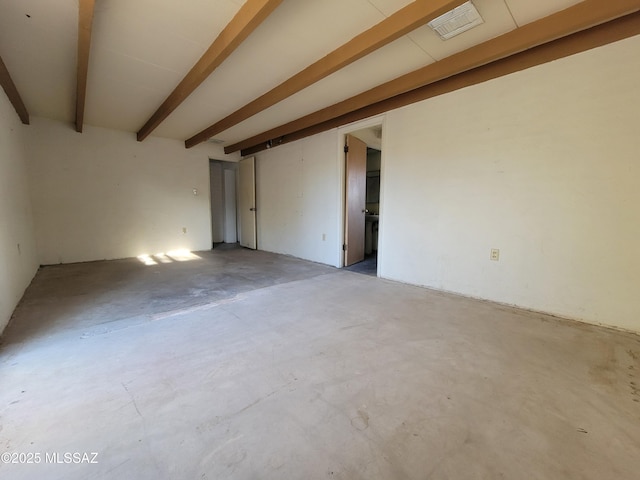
(344, 239)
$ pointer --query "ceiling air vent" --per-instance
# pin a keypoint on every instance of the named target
(458, 20)
(217, 141)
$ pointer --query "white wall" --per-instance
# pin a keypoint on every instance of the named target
(298, 199)
(18, 259)
(544, 165)
(103, 195)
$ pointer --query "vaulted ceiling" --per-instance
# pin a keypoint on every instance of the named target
(141, 50)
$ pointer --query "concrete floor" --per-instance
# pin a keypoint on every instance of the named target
(249, 365)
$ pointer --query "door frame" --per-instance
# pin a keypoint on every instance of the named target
(343, 131)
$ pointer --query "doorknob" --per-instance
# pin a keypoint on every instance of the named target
(252, 209)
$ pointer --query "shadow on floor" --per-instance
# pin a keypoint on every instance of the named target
(226, 246)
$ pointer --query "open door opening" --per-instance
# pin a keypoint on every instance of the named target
(223, 186)
(233, 203)
(363, 155)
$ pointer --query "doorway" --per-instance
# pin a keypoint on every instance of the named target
(362, 199)
(223, 187)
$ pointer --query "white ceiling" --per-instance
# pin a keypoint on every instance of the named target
(141, 49)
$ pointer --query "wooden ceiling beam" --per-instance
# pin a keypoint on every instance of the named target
(393, 27)
(85, 23)
(248, 18)
(613, 31)
(12, 93)
(579, 17)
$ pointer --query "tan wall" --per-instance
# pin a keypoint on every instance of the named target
(103, 195)
(544, 165)
(18, 259)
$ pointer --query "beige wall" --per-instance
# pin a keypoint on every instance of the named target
(103, 195)
(544, 165)
(298, 197)
(18, 259)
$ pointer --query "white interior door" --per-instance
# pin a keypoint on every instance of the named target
(247, 202)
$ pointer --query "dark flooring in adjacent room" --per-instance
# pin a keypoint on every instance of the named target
(249, 365)
(369, 266)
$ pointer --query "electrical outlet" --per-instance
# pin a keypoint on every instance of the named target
(195, 191)
(495, 254)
